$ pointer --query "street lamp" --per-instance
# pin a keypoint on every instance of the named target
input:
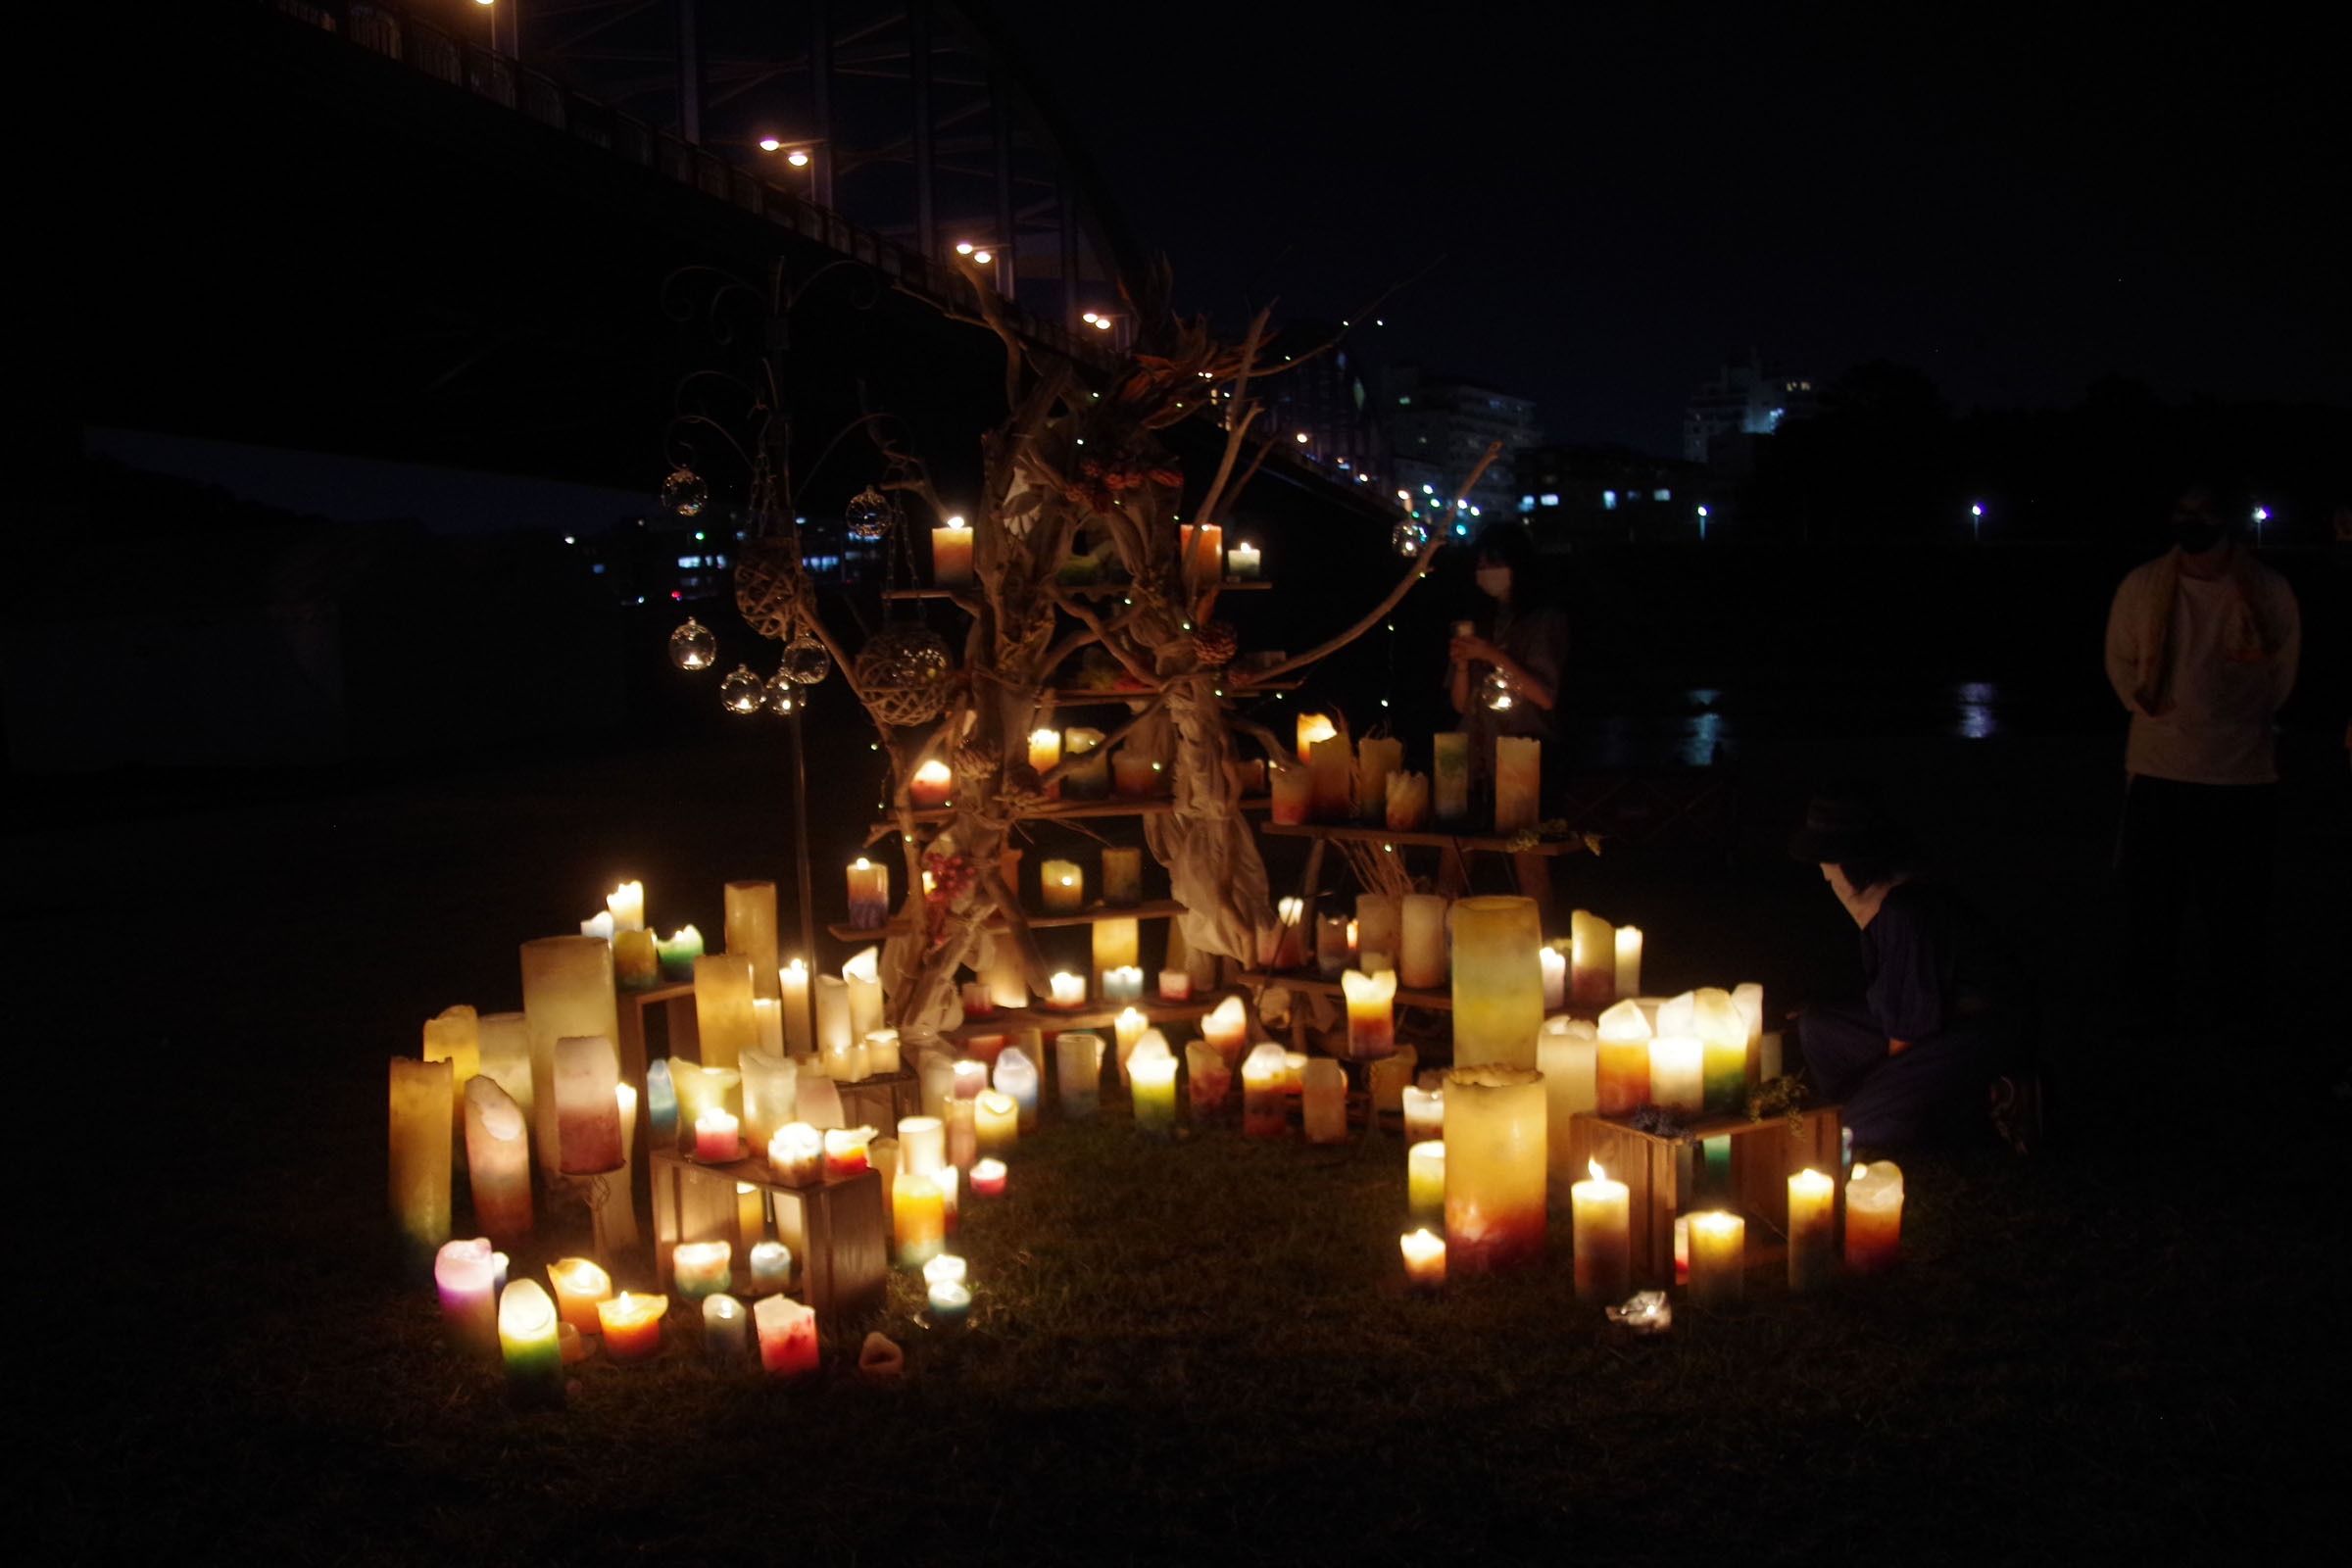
(2262, 514)
(1976, 522)
(1702, 524)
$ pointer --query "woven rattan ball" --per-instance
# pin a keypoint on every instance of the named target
(769, 589)
(905, 673)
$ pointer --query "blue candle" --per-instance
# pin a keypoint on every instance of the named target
(661, 1101)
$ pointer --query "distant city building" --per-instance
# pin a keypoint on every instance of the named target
(1743, 400)
(1319, 406)
(1439, 427)
(1572, 493)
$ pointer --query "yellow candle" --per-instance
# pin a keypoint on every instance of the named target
(996, 1121)
(950, 553)
(1628, 960)
(1425, 1180)
(454, 1036)
(420, 1150)
(1152, 1081)
(530, 1341)
(1874, 1215)
(800, 1029)
(1063, 886)
(636, 960)
(631, 1325)
(751, 909)
(1115, 945)
(1518, 782)
(1623, 1060)
(928, 788)
(1421, 960)
(1592, 960)
(1203, 553)
(1423, 1258)
(1811, 1256)
(1386, 1079)
(918, 1220)
(1314, 727)
(1374, 760)
(1603, 1240)
(722, 1008)
(1044, 749)
(580, 1285)
(1371, 1013)
(1226, 1028)
(1718, 1259)
(1495, 1165)
(626, 903)
(1497, 982)
(567, 990)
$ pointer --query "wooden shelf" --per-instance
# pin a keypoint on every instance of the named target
(1086, 590)
(1314, 984)
(1062, 810)
(1054, 1020)
(1149, 909)
(1381, 835)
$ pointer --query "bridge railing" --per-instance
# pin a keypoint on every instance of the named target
(391, 32)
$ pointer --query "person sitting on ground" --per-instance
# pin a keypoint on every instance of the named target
(1944, 1020)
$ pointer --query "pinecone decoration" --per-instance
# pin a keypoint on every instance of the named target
(1216, 644)
(977, 760)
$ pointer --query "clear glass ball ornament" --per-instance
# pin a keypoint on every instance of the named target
(1409, 537)
(684, 492)
(805, 662)
(741, 692)
(692, 647)
(1496, 692)
(867, 514)
(781, 695)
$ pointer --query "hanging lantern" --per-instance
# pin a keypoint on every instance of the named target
(1411, 536)
(781, 695)
(869, 513)
(692, 647)
(805, 662)
(905, 673)
(684, 492)
(741, 692)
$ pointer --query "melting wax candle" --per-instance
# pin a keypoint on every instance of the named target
(987, 1178)
(845, 1152)
(928, 788)
(715, 1140)
(530, 1346)
(632, 1325)
(797, 1155)
(1371, 1013)
(787, 1333)
(996, 1121)
(580, 1283)
(1621, 1064)
(698, 1268)
(466, 1275)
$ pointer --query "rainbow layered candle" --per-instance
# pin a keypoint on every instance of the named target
(466, 1275)
(716, 1138)
(918, 1220)
(845, 1152)
(787, 1333)
(1723, 1045)
(498, 1160)
(1622, 1062)
(870, 893)
(1450, 776)
(531, 1347)
(1424, 1112)
(1265, 1098)
(1874, 1215)
(699, 1268)
(1495, 1166)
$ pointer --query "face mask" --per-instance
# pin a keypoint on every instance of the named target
(1496, 582)
(2196, 535)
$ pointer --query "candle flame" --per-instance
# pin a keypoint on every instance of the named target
(861, 865)
(1045, 737)
(1594, 1166)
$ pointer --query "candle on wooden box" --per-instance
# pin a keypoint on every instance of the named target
(1812, 1199)
(1407, 805)
(1123, 876)
(1421, 950)
(1226, 1028)
(1062, 885)
(579, 1283)
(1135, 773)
(567, 990)
(1115, 943)
(1425, 1180)
(1016, 1075)
(1208, 1081)
(1152, 1082)
(636, 960)
(1450, 776)
(1371, 1013)
(1676, 1073)
(722, 1008)
(870, 893)
(1078, 1072)
(1592, 960)
(833, 1035)
(1044, 751)
(863, 974)
(1376, 759)
(626, 904)
(996, 1121)
(587, 1111)
(498, 1161)
(1331, 947)
(1874, 1215)
(466, 1276)
(1175, 985)
(771, 1267)
(677, 952)
(1265, 1098)
(1067, 991)
(702, 1089)
(845, 1152)
(987, 1178)
(1723, 1043)
(1242, 562)
(1292, 792)
(1566, 1053)
(530, 1347)
(1718, 1259)
(1622, 1061)
(1603, 1239)
(1627, 976)
(1309, 728)
(420, 1098)
(1424, 1112)
(918, 1221)
(1518, 783)
(1495, 1166)
(927, 789)
(1330, 767)
(1424, 1259)
(716, 1138)
(797, 1153)
(726, 1330)
(1498, 985)
(1123, 985)
(883, 1057)
(950, 553)
(787, 1333)
(1555, 977)
(750, 917)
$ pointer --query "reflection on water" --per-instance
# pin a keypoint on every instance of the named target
(1696, 726)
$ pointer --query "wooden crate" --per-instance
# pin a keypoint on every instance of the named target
(839, 1231)
(1661, 1173)
(880, 1100)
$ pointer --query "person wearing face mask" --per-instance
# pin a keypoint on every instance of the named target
(1507, 682)
(2202, 645)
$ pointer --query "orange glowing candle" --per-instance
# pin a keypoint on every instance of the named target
(580, 1285)
(632, 1325)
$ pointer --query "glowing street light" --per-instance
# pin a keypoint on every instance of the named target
(1702, 523)
(1976, 522)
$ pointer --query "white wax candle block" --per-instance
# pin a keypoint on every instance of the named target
(1603, 1238)
(1242, 561)
(833, 1031)
(928, 788)
(1678, 1015)
(1676, 1067)
(598, 925)
(1124, 984)
(1377, 761)
(466, 1274)
(1421, 957)
(1623, 1021)
(1424, 1113)
(1812, 1199)
(863, 976)
(567, 988)
(1555, 977)
(1068, 989)
(626, 903)
(1567, 1055)
(1628, 960)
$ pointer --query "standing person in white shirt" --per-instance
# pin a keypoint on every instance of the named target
(2201, 647)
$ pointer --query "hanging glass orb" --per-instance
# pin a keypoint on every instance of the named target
(1495, 691)
(867, 514)
(741, 692)
(805, 662)
(684, 492)
(781, 695)
(1411, 537)
(692, 647)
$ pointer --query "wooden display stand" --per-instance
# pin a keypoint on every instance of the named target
(1660, 1174)
(880, 1100)
(838, 1230)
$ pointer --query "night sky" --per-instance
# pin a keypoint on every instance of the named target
(1595, 205)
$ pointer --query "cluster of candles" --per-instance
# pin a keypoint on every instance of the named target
(1201, 550)
(1334, 780)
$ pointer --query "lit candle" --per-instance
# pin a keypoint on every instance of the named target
(1449, 773)
(949, 1302)
(1062, 885)
(787, 1333)
(677, 952)
(1242, 563)
(1604, 1241)
(1627, 976)
(726, 1330)
(1495, 1166)
(1718, 1259)
(1293, 791)
(1555, 977)
(1424, 1259)
(1592, 960)
(971, 1077)
(530, 1347)
(498, 1160)
(715, 1140)
(863, 974)
(945, 1269)
(722, 1008)
(1723, 1043)
(1045, 750)
(1203, 553)
(1290, 933)
(1518, 783)
(698, 1268)
(1874, 1215)
(1498, 985)
(1676, 1073)
(1208, 1081)
(1310, 727)
(1134, 773)
(1078, 1072)
(1226, 1028)
(918, 1220)
(771, 1267)
(466, 1276)
(1123, 876)
(1115, 943)
(580, 1285)
(1127, 1032)
(1811, 1257)
(1124, 984)
(987, 1178)
(1266, 1100)
(1068, 991)
(1175, 985)
(845, 1152)
(636, 962)
(950, 553)
(928, 788)
(1332, 788)
(587, 1112)
(996, 1121)
(1088, 775)
(1425, 1180)
(632, 1325)
(420, 1150)
(870, 893)
(1371, 1013)
(1152, 1081)
(1566, 1054)
(1622, 1062)
(799, 1030)
(1424, 1112)
(797, 1155)
(1407, 802)
(626, 904)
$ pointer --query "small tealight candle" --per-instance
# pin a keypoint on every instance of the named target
(677, 952)
(1811, 1258)
(988, 1177)
(714, 1136)
(945, 1269)
(1424, 1180)
(1061, 884)
(1227, 1029)
(632, 1325)
(1718, 1257)
(579, 1285)
(726, 1330)
(531, 1347)
(797, 1155)
(1067, 991)
(928, 789)
(787, 1333)
(1124, 984)
(700, 1268)
(845, 1152)
(771, 1267)
(1423, 1258)
(951, 1302)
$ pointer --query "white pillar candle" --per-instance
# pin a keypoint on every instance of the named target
(1175, 985)
(1323, 1101)
(1676, 1067)
(882, 1052)
(1152, 1081)
(1555, 977)
(1078, 1072)
(1421, 957)
(1379, 923)
(1371, 1013)
(996, 1121)
(833, 1035)
(723, 1019)
(598, 925)
(1518, 783)
(950, 553)
(1628, 960)
(567, 990)
(587, 1114)
(821, 1103)
(726, 1330)
(1603, 1239)
(626, 904)
(503, 1041)
(1567, 1055)
(1291, 791)
(799, 1030)
(845, 1061)
(922, 1144)
(1068, 991)
(1592, 960)
(1718, 1259)
(1498, 983)
(1062, 885)
(1331, 947)
(1016, 1075)
(863, 975)
(1242, 562)
(751, 919)
(1127, 1032)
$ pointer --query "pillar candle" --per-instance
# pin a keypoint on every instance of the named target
(626, 904)
(1592, 960)
(702, 1089)
(1310, 727)
(587, 1111)
(1152, 1081)
(927, 790)
(1078, 1072)
(845, 1152)
(870, 893)
(1124, 984)
(1811, 1201)
(1127, 1032)
(1407, 802)
(722, 1008)
(636, 964)
(1677, 1068)
(950, 553)
(1518, 783)
(530, 1346)
(949, 1302)
(963, 1136)
(787, 1333)
(1376, 759)
(498, 1161)
(1424, 1113)
(1371, 1013)
(1062, 885)
(1449, 775)
(420, 1153)
(1622, 1062)
(1208, 1081)
(1290, 933)
(1495, 1165)
(1566, 1053)
(1044, 750)
(1330, 790)
(771, 1095)
(567, 990)
(1424, 1259)
(1379, 923)
(751, 909)
(863, 974)
(1067, 991)
(1874, 1215)
(996, 1121)
(677, 952)
(922, 1145)
(1203, 553)
(661, 1103)
(1604, 1241)
(698, 1268)
(1242, 563)
(918, 1223)
(1323, 1102)
(1265, 1101)
(797, 1153)
(1115, 945)
(971, 1077)
(1134, 773)
(1294, 1065)
(1226, 1028)
(503, 1040)
(1123, 876)
(1016, 1075)
(1175, 985)
(833, 1036)
(1421, 953)
(791, 989)
(771, 1267)
(1388, 1079)
(821, 1103)
(1497, 988)
(716, 1138)
(579, 1283)
(1291, 791)
(1628, 960)
(1088, 775)
(1425, 1180)
(750, 1218)
(726, 1331)
(1723, 1045)
(466, 1275)
(1331, 944)
(454, 1036)
(1555, 977)
(1718, 1259)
